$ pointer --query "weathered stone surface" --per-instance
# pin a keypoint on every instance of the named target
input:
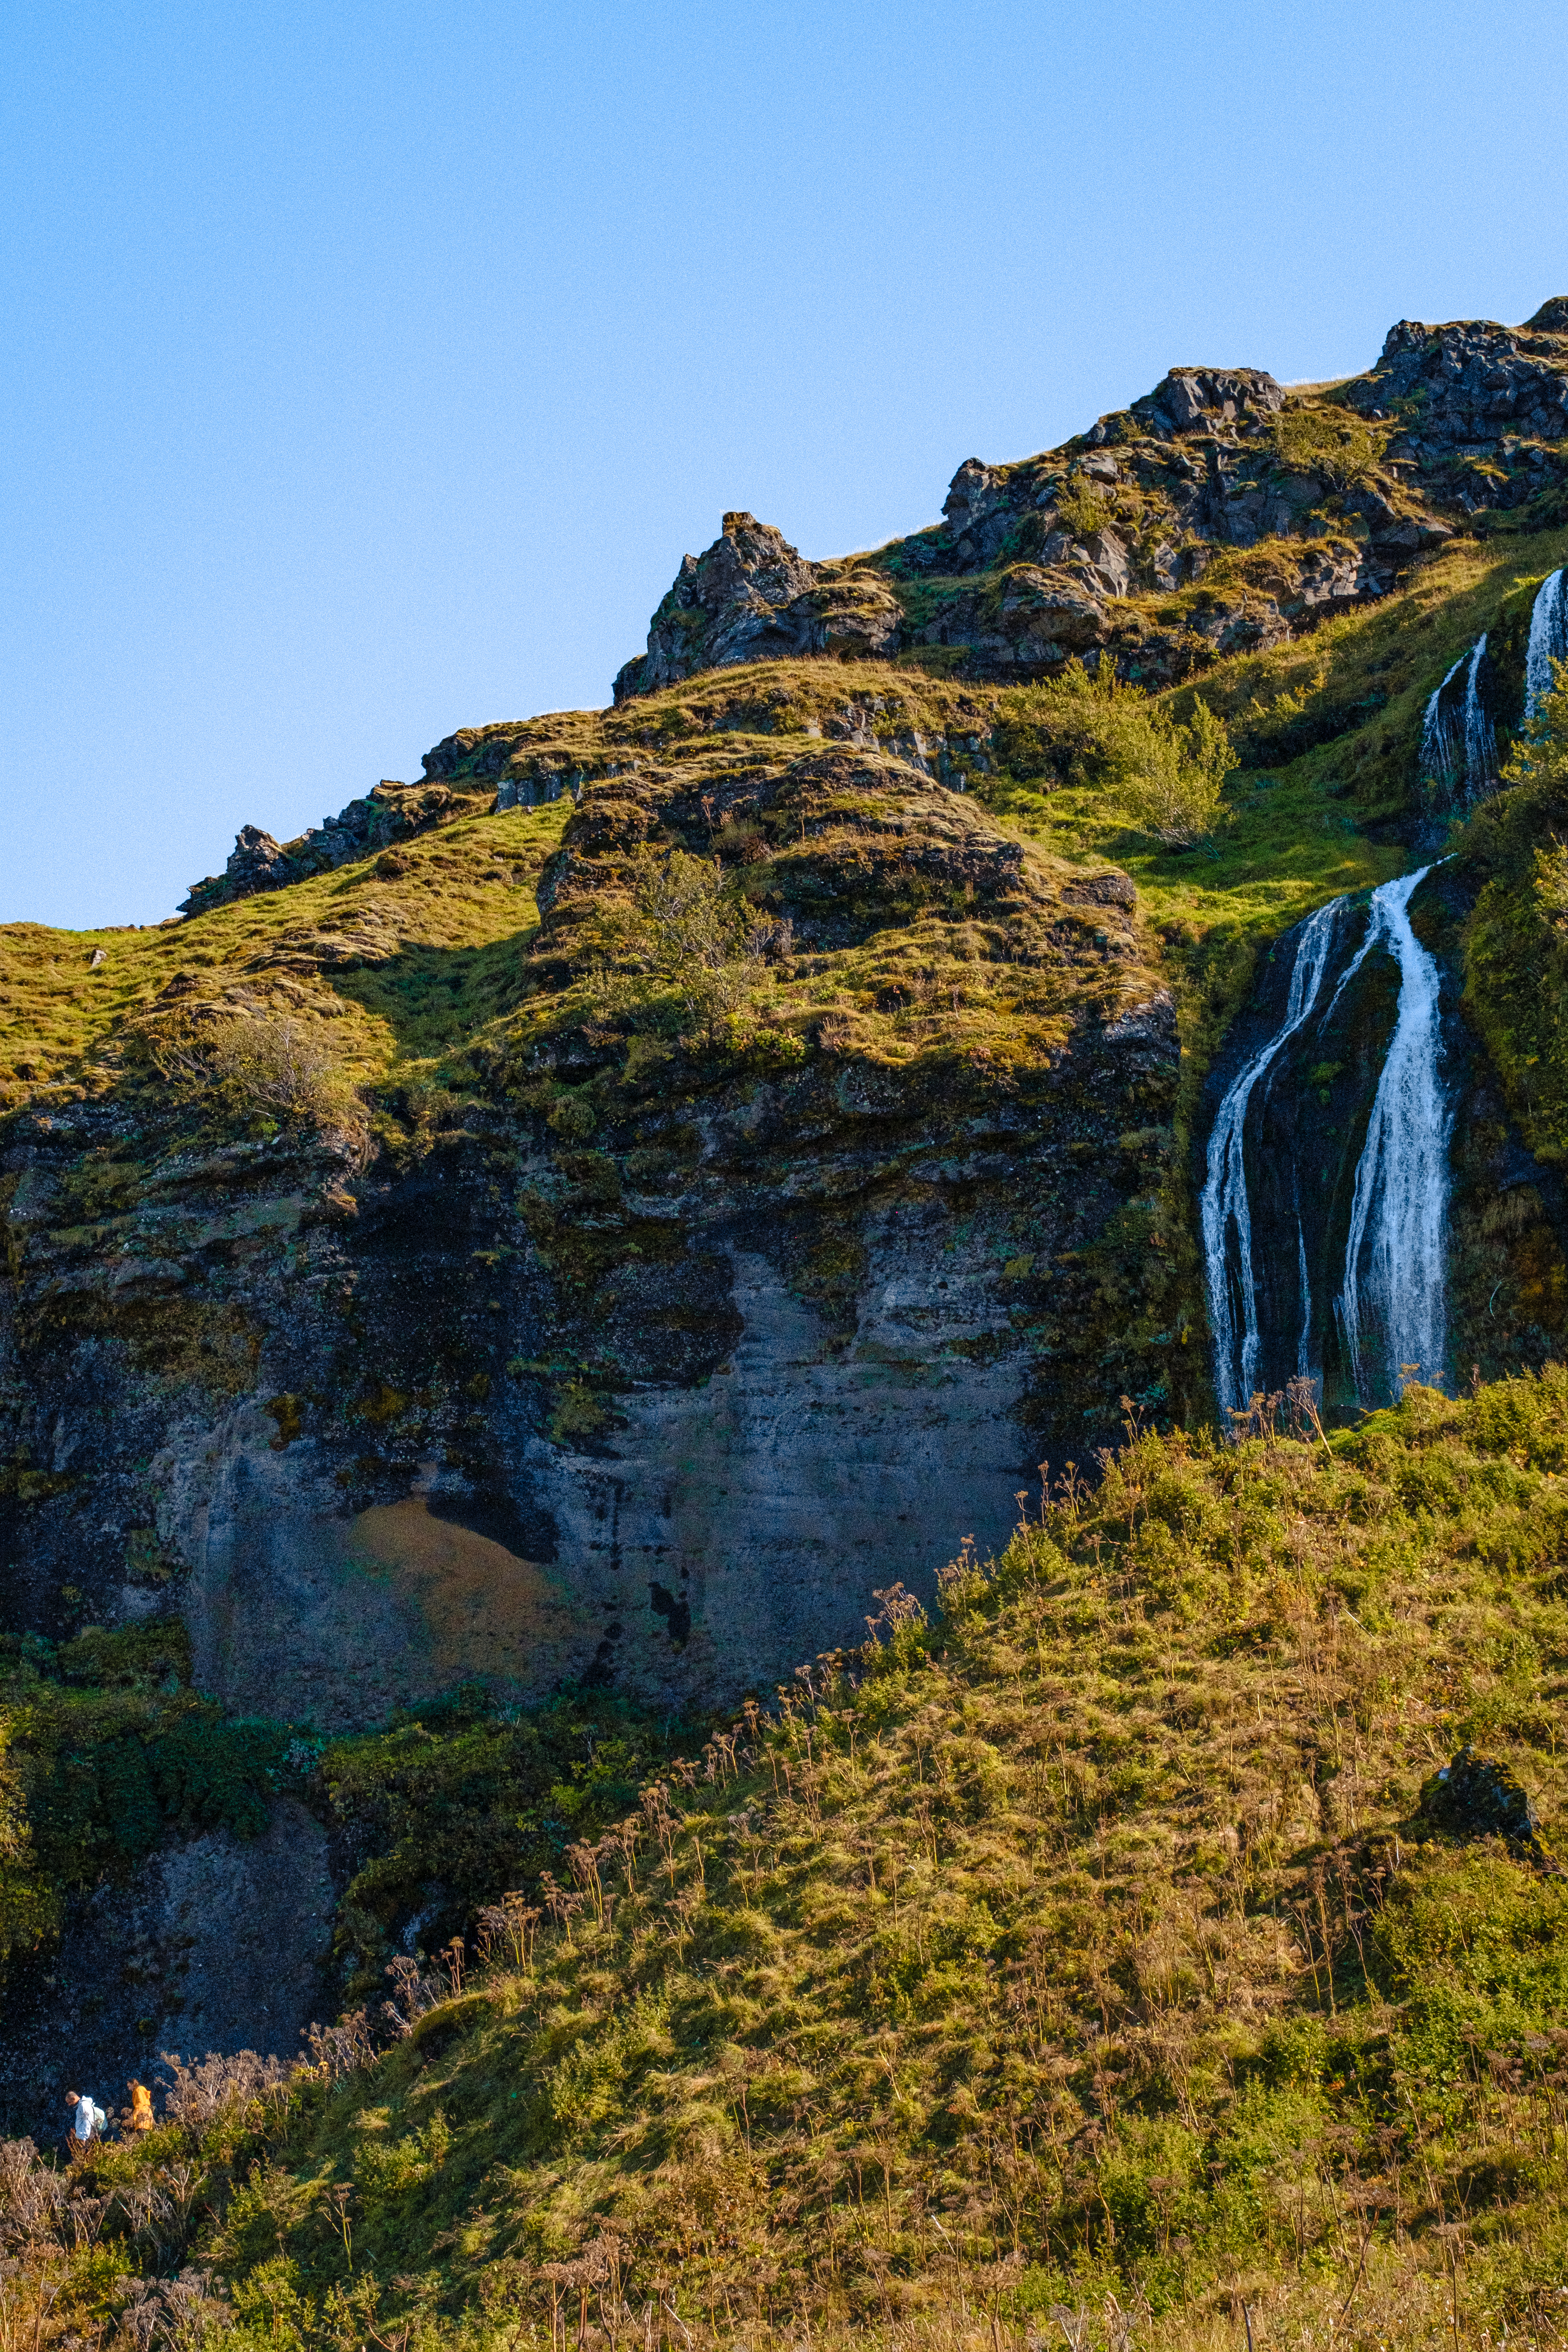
(220, 1943)
(389, 813)
(662, 1404)
(1466, 385)
(1476, 1795)
(1020, 581)
(1189, 397)
(746, 598)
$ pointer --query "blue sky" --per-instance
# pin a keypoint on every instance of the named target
(370, 369)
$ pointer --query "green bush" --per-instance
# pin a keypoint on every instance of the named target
(264, 1071)
(1159, 776)
(1334, 443)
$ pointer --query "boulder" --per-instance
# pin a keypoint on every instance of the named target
(1189, 397)
(1474, 1795)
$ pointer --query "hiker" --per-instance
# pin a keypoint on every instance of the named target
(140, 2107)
(87, 2121)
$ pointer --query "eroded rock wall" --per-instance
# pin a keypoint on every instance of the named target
(655, 1359)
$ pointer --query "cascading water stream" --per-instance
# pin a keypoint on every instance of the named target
(1439, 752)
(1480, 736)
(1548, 639)
(1399, 1212)
(1390, 1302)
(1459, 749)
(1224, 1208)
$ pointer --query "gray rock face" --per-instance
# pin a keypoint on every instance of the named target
(1190, 397)
(744, 599)
(757, 1453)
(658, 1392)
(752, 597)
(220, 1944)
(1469, 384)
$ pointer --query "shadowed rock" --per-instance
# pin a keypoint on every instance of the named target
(1475, 1796)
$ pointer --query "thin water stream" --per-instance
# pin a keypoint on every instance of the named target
(1389, 1291)
(1226, 1211)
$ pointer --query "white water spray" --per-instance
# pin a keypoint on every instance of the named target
(1548, 639)
(1400, 1208)
(1440, 752)
(1304, 1344)
(1460, 747)
(1225, 1207)
(1480, 736)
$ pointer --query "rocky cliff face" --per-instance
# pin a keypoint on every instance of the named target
(751, 598)
(603, 1214)
(651, 1352)
(221, 1943)
(1221, 513)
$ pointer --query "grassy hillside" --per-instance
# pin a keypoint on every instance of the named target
(1092, 1948)
(402, 962)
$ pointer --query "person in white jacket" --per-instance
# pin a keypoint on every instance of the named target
(87, 2121)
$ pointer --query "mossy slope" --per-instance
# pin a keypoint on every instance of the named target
(1093, 1943)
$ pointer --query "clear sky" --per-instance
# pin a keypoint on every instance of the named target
(369, 369)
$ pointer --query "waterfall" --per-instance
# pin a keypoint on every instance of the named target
(1439, 752)
(1480, 736)
(1399, 1212)
(1304, 1348)
(1224, 1208)
(1464, 753)
(1548, 640)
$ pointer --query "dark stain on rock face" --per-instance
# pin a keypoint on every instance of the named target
(532, 1533)
(676, 1613)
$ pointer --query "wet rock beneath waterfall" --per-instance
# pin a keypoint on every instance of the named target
(1475, 1796)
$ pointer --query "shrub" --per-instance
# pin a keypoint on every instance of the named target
(1161, 777)
(690, 935)
(267, 1070)
(1165, 778)
(1329, 442)
(1083, 512)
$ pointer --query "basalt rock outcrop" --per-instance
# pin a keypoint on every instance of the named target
(1319, 501)
(751, 597)
(388, 814)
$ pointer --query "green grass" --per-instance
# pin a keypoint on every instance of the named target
(1092, 1943)
(456, 912)
(444, 921)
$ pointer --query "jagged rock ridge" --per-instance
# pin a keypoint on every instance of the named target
(1100, 548)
